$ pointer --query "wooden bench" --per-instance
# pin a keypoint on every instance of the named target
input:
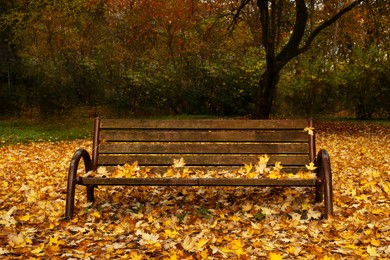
(211, 143)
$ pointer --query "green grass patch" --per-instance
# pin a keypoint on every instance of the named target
(26, 131)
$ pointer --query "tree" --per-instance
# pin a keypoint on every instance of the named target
(278, 55)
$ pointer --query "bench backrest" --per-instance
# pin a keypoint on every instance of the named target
(202, 142)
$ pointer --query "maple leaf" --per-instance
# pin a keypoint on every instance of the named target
(179, 163)
(102, 172)
(5, 184)
(237, 247)
(7, 219)
(16, 240)
(294, 250)
(188, 244)
(3, 251)
(278, 166)
(311, 166)
(372, 251)
(274, 256)
(247, 207)
(171, 233)
(25, 217)
(201, 243)
(309, 130)
(248, 168)
(313, 214)
(386, 187)
(135, 256)
(261, 165)
(38, 251)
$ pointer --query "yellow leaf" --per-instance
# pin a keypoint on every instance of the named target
(309, 130)
(311, 166)
(188, 244)
(252, 175)
(328, 258)
(5, 184)
(201, 243)
(248, 168)
(25, 217)
(294, 250)
(54, 248)
(377, 211)
(204, 254)
(386, 188)
(170, 233)
(135, 256)
(247, 207)
(179, 163)
(274, 174)
(235, 218)
(372, 251)
(263, 159)
(38, 251)
(16, 240)
(274, 256)
(96, 214)
(237, 247)
(53, 240)
(375, 242)
(278, 166)
(261, 165)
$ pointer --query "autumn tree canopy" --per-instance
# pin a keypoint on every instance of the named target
(195, 57)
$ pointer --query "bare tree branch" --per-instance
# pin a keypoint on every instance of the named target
(236, 16)
(326, 24)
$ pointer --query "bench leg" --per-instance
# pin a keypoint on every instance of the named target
(70, 192)
(72, 179)
(324, 190)
(90, 193)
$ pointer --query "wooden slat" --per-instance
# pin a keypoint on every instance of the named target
(161, 169)
(205, 148)
(205, 136)
(202, 124)
(196, 182)
(200, 160)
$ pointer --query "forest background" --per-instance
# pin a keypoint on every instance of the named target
(139, 58)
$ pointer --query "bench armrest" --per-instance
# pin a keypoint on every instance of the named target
(324, 188)
(72, 178)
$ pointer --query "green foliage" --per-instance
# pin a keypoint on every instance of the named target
(367, 82)
(359, 84)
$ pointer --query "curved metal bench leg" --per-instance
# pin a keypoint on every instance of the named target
(71, 190)
(324, 189)
(72, 180)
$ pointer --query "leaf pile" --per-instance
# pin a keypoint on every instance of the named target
(178, 170)
(199, 222)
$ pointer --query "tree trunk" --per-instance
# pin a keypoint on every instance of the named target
(265, 94)
(295, 46)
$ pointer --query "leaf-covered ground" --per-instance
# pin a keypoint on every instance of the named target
(199, 222)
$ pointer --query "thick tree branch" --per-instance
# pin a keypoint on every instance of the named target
(292, 46)
(265, 26)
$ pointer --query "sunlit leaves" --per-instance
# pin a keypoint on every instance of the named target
(198, 222)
